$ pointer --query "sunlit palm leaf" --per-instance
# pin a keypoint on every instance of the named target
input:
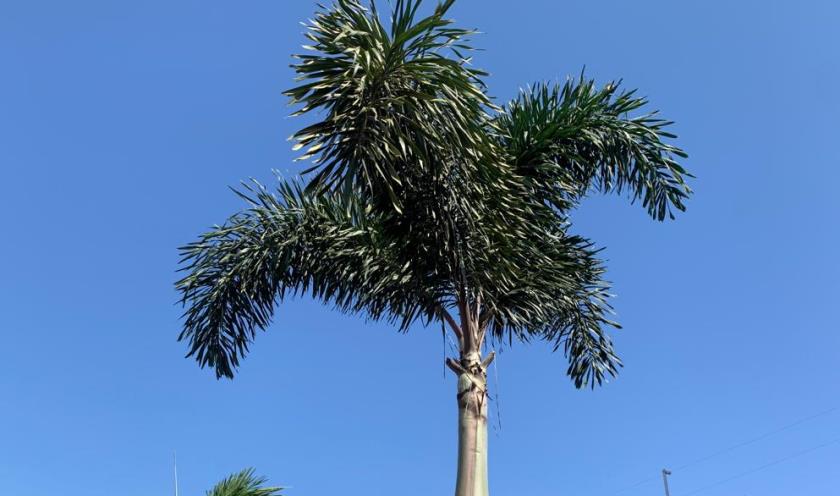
(287, 244)
(392, 101)
(244, 483)
(566, 139)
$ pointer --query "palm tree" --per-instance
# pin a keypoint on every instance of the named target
(425, 203)
(244, 483)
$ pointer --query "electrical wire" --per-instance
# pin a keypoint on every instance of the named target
(498, 401)
(756, 439)
(763, 467)
(734, 447)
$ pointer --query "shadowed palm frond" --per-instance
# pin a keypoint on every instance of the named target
(557, 294)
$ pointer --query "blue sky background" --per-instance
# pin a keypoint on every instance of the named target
(122, 124)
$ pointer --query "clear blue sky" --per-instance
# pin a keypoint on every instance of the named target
(122, 124)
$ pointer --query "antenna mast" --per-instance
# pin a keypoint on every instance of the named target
(175, 461)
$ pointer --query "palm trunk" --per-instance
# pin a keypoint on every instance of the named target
(472, 401)
(472, 424)
(472, 436)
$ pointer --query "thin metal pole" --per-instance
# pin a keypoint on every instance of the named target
(175, 460)
(665, 474)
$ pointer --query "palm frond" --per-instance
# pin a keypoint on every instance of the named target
(566, 139)
(244, 483)
(291, 243)
(557, 294)
(392, 100)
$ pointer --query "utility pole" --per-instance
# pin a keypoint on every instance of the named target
(665, 474)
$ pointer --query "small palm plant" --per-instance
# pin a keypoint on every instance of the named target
(244, 483)
(427, 203)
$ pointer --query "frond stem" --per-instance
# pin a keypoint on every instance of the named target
(453, 325)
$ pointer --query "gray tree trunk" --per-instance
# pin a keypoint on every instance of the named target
(472, 429)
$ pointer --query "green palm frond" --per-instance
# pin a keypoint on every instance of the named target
(244, 483)
(557, 294)
(392, 99)
(566, 139)
(289, 243)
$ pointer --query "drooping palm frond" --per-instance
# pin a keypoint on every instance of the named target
(295, 242)
(557, 294)
(396, 102)
(244, 483)
(566, 139)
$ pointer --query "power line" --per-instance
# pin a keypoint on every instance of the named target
(634, 486)
(764, 467)
(735, 446)
(757, 439)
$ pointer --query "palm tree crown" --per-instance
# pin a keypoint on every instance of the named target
(426, 202)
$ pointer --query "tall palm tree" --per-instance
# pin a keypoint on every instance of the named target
(244, 483)
(427, 203)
